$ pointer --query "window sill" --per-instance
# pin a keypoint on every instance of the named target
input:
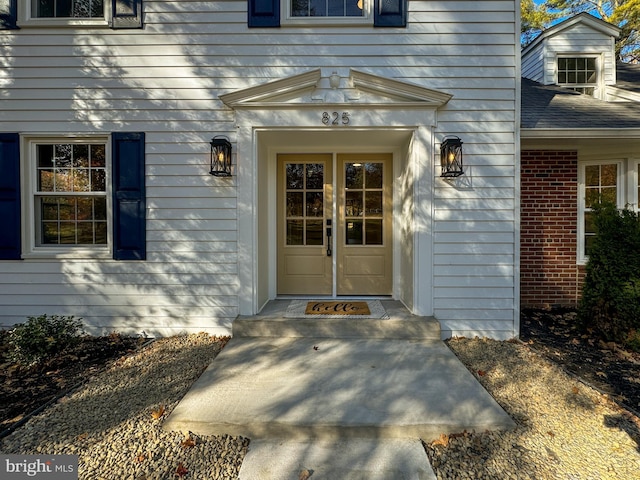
(72, 253)
(326, 22)
(63, 23)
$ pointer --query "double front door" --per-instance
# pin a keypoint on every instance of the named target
(334, 224)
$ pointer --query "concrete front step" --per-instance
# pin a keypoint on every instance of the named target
(359, 459)
(400, 324)
(414, 328)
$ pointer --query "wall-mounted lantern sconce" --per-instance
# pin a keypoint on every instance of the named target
(451, 157)
(220, 157)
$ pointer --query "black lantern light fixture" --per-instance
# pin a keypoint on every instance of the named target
(220, 157)
(451, 157)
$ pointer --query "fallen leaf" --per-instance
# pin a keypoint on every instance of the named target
(141, 458)
(482, 373)
(443, 440)
(83, 436)
(181, 471)
(188, 442)
(157, 413)
(304, 474)
(607, 345)
(624, 355)
(551, 434)
(575, 390)
(552, 454)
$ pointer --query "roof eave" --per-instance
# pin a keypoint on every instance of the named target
(579, 133)
(596, 23)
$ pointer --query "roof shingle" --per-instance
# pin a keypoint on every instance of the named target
(552, 107)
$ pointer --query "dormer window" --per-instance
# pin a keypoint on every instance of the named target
(578, 73)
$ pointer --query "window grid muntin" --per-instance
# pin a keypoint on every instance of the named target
(579, 74)
(67, 158)
(79, 9)
(326, 8)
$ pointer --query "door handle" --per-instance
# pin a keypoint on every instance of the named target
(329, 238)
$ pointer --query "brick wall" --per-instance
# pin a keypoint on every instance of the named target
(549, 275)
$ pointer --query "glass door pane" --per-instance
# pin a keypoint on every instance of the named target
(304, 203)
(363, 203)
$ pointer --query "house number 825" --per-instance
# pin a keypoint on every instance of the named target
(335, 118)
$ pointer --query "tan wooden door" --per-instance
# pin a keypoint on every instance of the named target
(364, 236)
(305, 202)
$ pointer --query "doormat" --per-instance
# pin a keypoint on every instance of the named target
(335, 309)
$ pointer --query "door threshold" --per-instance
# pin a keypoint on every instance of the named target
(334, 297)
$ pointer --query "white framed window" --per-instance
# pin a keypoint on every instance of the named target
(598, 181)
(64, 12)
(578, 73)
(66, 196)
(327, 12)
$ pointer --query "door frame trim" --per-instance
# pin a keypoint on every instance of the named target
(412, 146)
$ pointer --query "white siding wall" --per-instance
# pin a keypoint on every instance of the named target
(165, 79)
(532, 64)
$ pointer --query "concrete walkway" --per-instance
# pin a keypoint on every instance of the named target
(304, 386)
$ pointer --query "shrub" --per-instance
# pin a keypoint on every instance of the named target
(41, 337)
(610, 304)
(632, 342)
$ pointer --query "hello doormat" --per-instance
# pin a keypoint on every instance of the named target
(335, 309)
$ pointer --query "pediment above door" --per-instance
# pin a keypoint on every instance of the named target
(350, 87)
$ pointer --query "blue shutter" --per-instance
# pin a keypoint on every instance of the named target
(10, 196)
(8, 14)
(390, 13)
(129, 205)
(126, 14)
(264, 13)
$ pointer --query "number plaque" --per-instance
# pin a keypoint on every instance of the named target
(335, 118)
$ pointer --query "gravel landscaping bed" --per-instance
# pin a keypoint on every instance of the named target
(25, 389)
(566, 430)
(114, 422)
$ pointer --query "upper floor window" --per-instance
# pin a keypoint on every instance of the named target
(115, 14)
(327, 8)
(67, 9)
(578, 73)
(327, 12)
(362, 13)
